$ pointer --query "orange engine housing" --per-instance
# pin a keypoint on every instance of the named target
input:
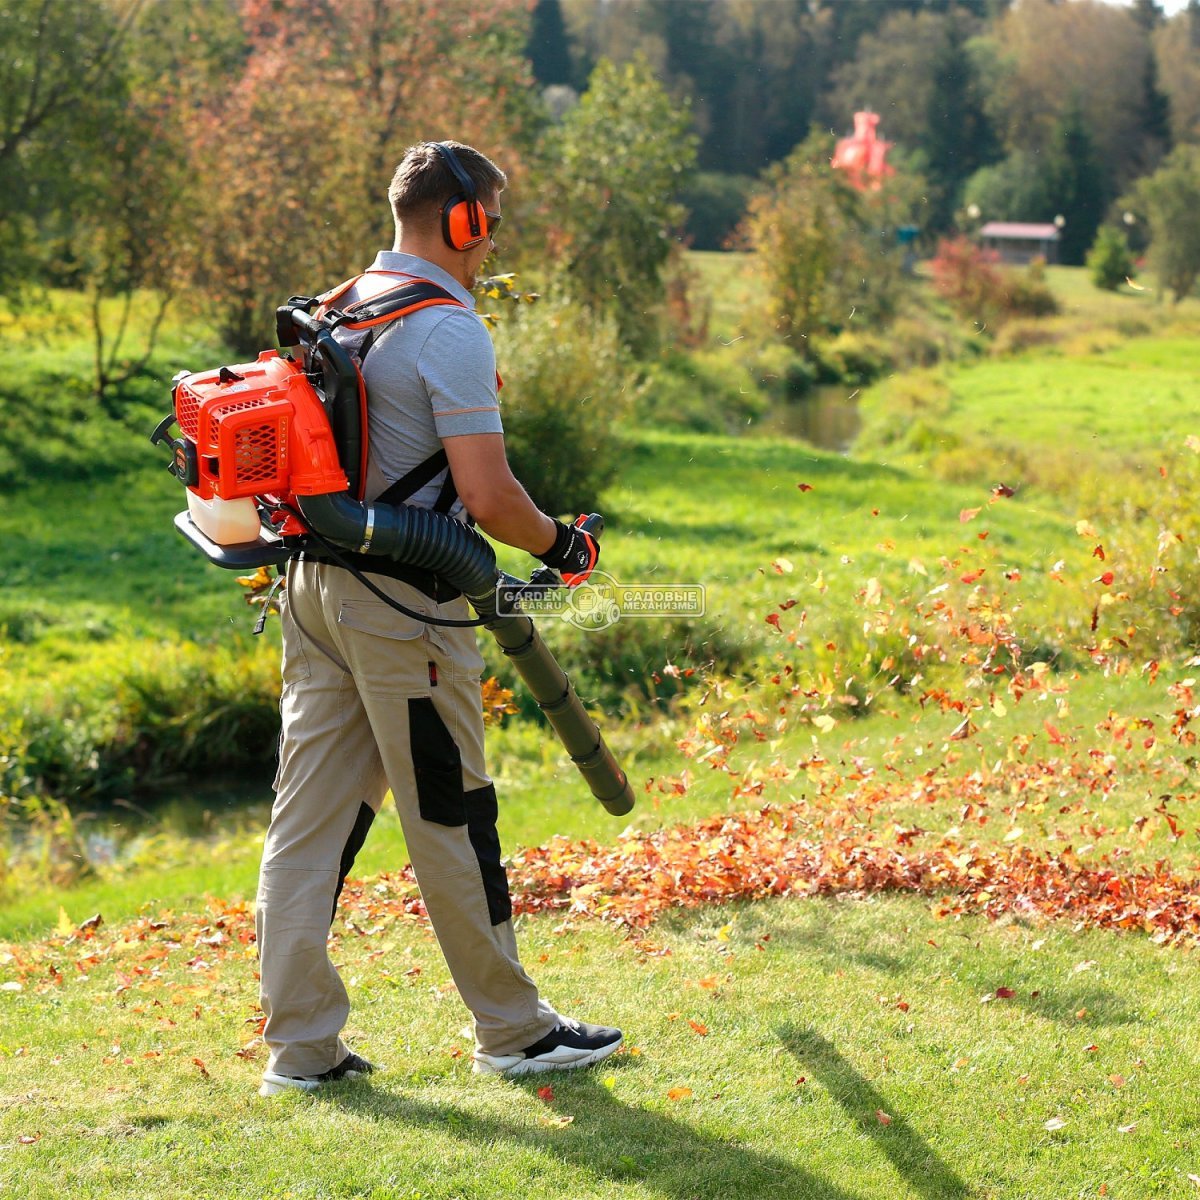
(259, 429)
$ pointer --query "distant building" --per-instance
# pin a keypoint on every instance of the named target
(1019, 241)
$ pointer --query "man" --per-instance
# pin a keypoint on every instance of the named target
(373, 699)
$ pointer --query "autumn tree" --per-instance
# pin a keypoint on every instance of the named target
(1177, 50)
(297, 148)
(826, 250)
(614, 167)
(1046, 56)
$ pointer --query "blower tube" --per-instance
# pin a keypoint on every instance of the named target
(453, 550)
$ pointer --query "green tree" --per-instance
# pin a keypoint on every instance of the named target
(1170, 199)
(1109, 261)
(62, 78)
(1016, 189)
(548, 48)
(617, 161)
(1078, 183)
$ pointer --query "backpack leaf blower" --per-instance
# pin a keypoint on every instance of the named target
(272, 455)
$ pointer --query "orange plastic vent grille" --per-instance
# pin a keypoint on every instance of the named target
(256, 455)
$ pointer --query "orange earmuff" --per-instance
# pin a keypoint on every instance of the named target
(464, 224)
(458, 228)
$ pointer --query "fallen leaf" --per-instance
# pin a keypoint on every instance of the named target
(700, 1028)
(968, 514)
(1118, 1081)
(1004, 993)
(805, 487)
(882, 1117)
(1127, 1128)
(1054, 1123)
(27, 1139)
(557, 1122)
(679, 1093)
(546, 1093)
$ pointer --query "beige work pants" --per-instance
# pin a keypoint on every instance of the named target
(371, 699)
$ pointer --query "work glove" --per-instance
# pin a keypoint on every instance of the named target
(574, 554)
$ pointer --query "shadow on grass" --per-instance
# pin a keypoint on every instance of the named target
(610, 1140)
(909, 1153)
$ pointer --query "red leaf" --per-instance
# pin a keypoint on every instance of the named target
(971, 576)
(1105, 579)
(546, 1093)
(772, 619)
(805, 487)
(1098, 553)
(882, 1117)
(1002, 490)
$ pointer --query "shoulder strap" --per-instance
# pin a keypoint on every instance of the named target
(388, 306)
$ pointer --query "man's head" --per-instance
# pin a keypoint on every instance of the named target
(445, 199)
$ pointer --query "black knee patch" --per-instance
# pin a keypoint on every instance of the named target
(354, 843)
(481, 827)
(437, 763)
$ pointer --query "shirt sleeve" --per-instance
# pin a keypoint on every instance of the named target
(457, 364)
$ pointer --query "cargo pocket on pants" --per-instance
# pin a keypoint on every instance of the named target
(437, 765)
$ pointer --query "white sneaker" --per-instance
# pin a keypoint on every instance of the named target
(569, 1044)
(351, 1067)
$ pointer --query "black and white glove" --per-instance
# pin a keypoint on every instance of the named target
(574, 554)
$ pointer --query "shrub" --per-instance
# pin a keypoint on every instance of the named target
(969, 279)
(569, 387)
(1109, 261)
(1028, 294)
(706, 391)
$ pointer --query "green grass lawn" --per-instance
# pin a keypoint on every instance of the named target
(820, 1049)
(854, 1046)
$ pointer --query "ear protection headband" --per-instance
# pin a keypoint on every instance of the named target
(464, 223)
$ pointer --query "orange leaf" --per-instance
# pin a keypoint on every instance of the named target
(971, 576)
(701, 1029)
(679, 1093)
(546, 1093)
(805, 487)
(882, 1117)
(968, 514)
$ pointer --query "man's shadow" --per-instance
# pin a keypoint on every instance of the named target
(609, 1140)
(911, 1156)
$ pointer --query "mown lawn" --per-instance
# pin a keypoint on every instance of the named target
(917, 658)
(830, 1048)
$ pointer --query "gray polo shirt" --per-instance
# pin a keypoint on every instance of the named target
(430, 375)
